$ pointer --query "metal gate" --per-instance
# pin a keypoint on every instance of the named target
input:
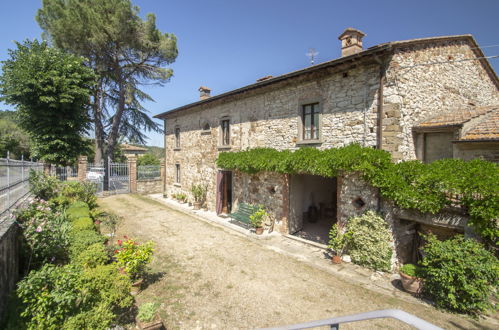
(95, 174)
(119, 180)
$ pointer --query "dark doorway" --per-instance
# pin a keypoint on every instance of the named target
(313, 204)
(224, 192)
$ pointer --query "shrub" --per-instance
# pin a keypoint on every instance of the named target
(105, 285)
(83, 223)
(411, 270)
(43, 186)
(369, 243)
(459, 274)
(70, 297)
(133, 257)
(50, 295)
(72, 191)
(81, 240)
(99, 317)
(93, 256)
(147, 312)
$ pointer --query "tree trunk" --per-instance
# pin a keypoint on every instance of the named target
(99, 128)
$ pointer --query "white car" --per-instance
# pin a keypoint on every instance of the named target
(95, 174)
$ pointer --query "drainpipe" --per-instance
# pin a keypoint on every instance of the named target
(379, 121)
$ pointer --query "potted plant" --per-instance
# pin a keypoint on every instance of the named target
(338, 242)
(147, 317)
(256, 219)
(410, 277)
(132, 259)
(182, 198)
(199, 193)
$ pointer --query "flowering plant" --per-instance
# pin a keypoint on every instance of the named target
(132, 257)
(45, 232)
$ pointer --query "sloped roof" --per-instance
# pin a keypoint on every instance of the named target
(369, 52)
(486, 129)
(483, 123)
(455, 117)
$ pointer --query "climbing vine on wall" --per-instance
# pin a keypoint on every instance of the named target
(410, 184)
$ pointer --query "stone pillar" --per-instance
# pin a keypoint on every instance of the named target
(162, 173)
(82, 168)
(284, 229)
(46, 168)
(132, 173)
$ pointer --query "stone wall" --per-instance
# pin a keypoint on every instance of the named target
(268, 189)
(149, 186)
(348, 100)
(272, 118)
(413, 93)
(482, 150)
(9, 261)
(355, 197)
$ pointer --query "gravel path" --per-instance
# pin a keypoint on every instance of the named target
(208, 277)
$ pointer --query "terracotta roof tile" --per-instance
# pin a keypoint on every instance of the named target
(486, 129)
(457, 117)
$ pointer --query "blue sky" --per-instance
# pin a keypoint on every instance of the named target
(226, 44)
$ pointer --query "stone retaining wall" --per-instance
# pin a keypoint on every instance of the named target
(9, 261)
(149, 186)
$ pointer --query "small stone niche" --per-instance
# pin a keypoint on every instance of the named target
(358, 203)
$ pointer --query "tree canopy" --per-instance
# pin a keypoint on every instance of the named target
(12, 138)
(124, 51)
(51, 90)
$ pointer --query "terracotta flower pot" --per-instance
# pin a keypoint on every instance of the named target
(410, 283)
(336, 259)
(259, 230)
(197, 205)
(136, 286)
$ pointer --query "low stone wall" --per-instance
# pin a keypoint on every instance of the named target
(149, 186)
(9, 261)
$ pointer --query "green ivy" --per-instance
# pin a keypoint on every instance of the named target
(410, 184)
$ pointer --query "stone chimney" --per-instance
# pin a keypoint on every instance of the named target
(204, 93)
(351, 41)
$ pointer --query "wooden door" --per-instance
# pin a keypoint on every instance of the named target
(224, 192)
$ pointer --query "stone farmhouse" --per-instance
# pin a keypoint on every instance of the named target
(421, 99)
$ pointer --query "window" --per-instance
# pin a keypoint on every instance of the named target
(225, 132)
(310, 121)
(177, 137)
(177, 173)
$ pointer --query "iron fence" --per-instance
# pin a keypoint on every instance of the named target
(149, 172)
(64, 173)
(14, 182)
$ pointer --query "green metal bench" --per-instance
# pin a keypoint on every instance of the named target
(243, 213)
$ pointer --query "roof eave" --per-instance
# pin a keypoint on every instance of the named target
(332, 63)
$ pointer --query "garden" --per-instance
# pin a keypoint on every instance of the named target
(76, 273)
(458, 275)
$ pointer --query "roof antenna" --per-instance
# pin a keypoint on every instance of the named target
(312, 54)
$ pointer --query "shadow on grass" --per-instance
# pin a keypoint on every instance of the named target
(151, 278)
